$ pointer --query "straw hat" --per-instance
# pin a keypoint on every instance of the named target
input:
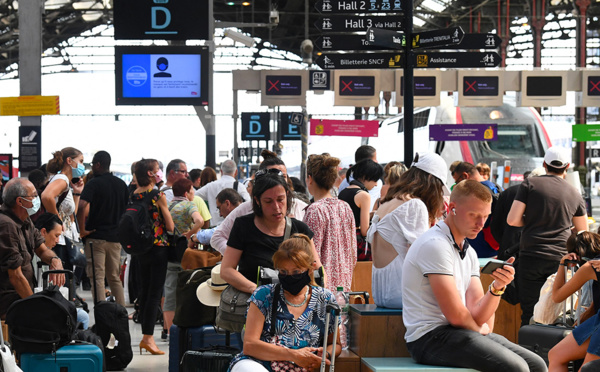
(209, 292)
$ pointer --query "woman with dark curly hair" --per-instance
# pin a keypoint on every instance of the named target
(410, 207)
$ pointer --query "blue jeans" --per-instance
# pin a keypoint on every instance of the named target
(457, 347)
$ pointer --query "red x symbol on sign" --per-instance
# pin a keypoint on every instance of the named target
(594, 86)
(346, 86)
(470, 86)
(273, 85)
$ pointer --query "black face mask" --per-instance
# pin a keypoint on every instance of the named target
(293, 285)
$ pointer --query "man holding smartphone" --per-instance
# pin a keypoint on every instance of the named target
(449, 318)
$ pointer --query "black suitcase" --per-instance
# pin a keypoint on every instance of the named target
(211, 359)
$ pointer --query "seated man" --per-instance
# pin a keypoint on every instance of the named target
(449, 319)
(19, 240)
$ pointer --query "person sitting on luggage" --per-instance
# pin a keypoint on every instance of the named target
(19, 240)
(584, 341)
(300, 320)
(51, 228)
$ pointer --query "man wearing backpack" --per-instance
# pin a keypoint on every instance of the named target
(19, 240)
(101, 205)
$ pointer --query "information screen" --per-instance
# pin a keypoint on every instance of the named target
(546, 86)
(480, 86)
(6, 167)
(593, 86)
(424, 86)
(281, 85)
(357, 86)
(161, 75)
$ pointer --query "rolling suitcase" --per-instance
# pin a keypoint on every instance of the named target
(540, 338)
(182, 339)
(212, 359)
(70, 358)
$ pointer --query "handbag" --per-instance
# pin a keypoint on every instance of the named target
(194, 258)
(8, 359)
(189, 311)
(231, 313)
(546, 311)
(177, 245)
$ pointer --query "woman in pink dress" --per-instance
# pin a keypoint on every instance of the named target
(332, 222)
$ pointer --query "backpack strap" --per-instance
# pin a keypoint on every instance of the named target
(288, 228)
(235, 185)
(174, 204)
(274, 309)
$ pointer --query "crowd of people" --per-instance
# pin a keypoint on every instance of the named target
(404, 218)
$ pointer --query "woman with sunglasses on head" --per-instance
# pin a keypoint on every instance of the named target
(584, 341)
(296, 336)
(152, 264)
(255, 237)
(297, 209)
(365, 175)
(332, 222)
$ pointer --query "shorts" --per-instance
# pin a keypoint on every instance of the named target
(173, 270)
(589, 329)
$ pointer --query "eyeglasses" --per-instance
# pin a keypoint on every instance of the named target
(29, 196)
(262, 172)
(295, 274)
(181, 171)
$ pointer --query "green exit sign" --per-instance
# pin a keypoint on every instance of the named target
(584, 133)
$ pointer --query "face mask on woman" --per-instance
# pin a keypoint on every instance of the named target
(79, 171)
(35, 206)
(294, 285)
(158, 176)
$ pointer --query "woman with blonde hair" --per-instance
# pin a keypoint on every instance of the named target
(296, 338)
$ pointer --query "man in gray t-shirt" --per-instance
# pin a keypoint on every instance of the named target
(546, 206)
(448, 316)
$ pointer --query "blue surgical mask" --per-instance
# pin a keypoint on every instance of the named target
(79, 171)
(35, 206)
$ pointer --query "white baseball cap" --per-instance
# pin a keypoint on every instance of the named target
(433, 164)
(557, 157)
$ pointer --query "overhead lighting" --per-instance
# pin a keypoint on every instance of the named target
(246, 3)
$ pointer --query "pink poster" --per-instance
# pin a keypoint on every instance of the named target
(357, 128)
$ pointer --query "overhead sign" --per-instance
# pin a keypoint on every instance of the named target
(586, 132)
(593, 86)
(282, 85)
(350, 23)
(358, 128)
(436, 38)
(348, 42)
(255, 126)
(319, 80)
(161, 19)
(425, 86)
(30, 148)
(357, 86)
(360, 6)
(290, 126)
(247, 152)
(30, 105)
(385, 38)
(477, 86)
(456, 59)
(463, 132)
(477, 41)
(360, 60)
(595, 153)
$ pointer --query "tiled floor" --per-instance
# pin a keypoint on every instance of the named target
(140, 363)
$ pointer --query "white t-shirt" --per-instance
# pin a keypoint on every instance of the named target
(66, 209)
(432, 253)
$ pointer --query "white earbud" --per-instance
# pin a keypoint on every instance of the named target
(454, 211)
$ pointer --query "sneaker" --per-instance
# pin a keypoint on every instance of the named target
(164, 335)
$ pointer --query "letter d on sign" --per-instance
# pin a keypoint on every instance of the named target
(167, 13)
(255, 127)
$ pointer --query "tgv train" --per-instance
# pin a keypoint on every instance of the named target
(522, 138)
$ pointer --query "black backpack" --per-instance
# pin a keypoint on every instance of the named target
(111, 319)
(135, 231)
(42, 322)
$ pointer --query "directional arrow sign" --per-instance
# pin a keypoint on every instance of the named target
(477, 41)
(360, 6)
(385, 38)
(360, 60)
(436, 38)
(344, 23)
(346, 42)
(456, 59)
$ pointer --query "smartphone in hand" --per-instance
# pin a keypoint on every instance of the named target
(491, 266)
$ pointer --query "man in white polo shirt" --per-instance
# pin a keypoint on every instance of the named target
(449, 318)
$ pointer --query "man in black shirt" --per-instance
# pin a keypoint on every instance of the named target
(101, 205)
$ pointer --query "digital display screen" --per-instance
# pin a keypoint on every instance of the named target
(480, 86)
(357, 86)
(424, 86)
(593, 86)
(282, 85)
(6, 167)
(161, 75)
(546, 86)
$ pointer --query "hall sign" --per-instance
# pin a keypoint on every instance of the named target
(161, 19)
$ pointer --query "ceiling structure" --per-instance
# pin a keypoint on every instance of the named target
(66, 19)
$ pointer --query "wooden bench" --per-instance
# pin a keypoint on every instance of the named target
(403, 364)
(347, 361)
(377, 332)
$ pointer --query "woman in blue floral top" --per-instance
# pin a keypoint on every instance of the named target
(300, 320)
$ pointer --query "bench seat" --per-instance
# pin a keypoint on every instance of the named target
(403, 365)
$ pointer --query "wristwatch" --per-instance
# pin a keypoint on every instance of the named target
(494, 291)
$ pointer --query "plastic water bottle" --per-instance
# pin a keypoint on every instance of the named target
(343, 301)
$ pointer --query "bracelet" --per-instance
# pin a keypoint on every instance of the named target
(76, 194)
(562, 264)
(328, 355)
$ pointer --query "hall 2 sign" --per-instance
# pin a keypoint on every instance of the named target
(161, 19)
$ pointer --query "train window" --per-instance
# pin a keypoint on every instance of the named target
(513, 141)
(420, 119)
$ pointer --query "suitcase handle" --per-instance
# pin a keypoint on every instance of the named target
(69, 283)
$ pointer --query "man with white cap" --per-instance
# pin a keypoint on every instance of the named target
(546, 206)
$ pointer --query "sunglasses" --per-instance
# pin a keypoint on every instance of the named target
(263, 172)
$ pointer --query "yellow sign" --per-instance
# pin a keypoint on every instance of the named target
(29, 105)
